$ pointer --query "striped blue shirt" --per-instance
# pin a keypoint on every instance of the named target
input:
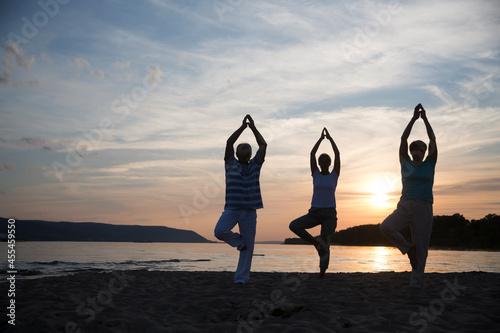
(242, 184)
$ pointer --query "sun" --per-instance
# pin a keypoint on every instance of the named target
(380, 188)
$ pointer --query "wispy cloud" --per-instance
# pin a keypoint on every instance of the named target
(81, 63)
(6, 166)
(16, 52)
(122, 65)
(32, 141)
(14, 56)
(5, 76)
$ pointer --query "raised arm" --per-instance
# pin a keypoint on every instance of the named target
(314, 164)
(260, 139)
(336, 164)
(232, 139)
(433, 153)
(403, 147)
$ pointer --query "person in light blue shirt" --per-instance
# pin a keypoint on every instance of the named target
(415, 205)
(243, 197)
(323, 209)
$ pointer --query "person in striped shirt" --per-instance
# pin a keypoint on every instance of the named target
(243, 197)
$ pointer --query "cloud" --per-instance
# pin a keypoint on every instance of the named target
(116, 78)
(81, 63)
(6, 166)
(14, 56)
(465, 187)
(122, 65)
(31, 84)
(100, 74)
(5, 76)
(17, 52)
(44, 144)
(32, 141)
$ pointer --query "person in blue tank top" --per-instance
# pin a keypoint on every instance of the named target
(415, 205)
(243, 197)
(323, 206)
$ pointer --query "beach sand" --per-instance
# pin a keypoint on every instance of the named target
(142, 301)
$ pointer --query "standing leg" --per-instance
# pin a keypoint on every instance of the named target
(248, 227)
(421, 229)
(223, 232)
(328, 226)
(299, 226)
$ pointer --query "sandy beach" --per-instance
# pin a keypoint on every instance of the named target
(142, 301)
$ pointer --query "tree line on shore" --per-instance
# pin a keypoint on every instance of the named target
(448, 231)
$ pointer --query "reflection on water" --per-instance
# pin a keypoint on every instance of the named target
(64, 257)
(380, 260)
(303, 258)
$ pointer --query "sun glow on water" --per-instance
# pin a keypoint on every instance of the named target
(381, 259)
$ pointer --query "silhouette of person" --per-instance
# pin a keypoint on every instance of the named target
(243, 197)
(323, 206)
(415, 205)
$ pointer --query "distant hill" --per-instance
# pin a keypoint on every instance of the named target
(448, 231)
(35, 230)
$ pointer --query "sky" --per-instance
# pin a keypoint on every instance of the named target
(119, 111)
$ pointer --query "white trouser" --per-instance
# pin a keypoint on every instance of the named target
(418, 215)
(247, 222)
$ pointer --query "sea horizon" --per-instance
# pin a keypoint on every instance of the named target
(447, 248)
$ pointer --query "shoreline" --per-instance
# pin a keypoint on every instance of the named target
(199, 301)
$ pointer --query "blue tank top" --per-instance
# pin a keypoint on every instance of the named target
(417, 180)
(324, 189)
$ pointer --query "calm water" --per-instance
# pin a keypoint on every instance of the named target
(47, 258)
